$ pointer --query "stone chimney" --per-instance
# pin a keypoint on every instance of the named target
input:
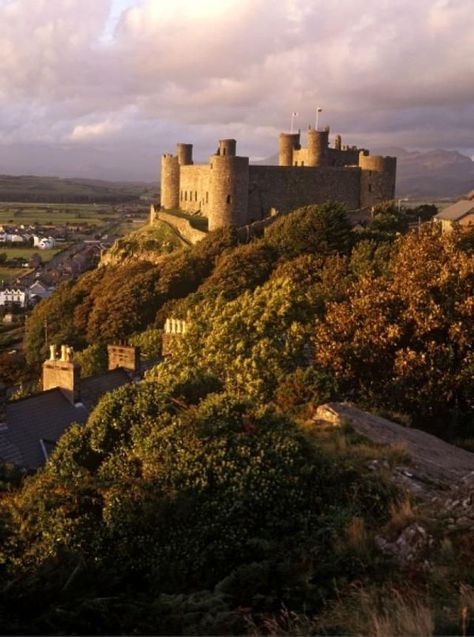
(124, 355)
(61, 371)
(174, 329)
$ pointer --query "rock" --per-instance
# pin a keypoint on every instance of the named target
(412, 545)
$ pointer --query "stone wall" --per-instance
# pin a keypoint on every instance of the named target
(287, 188)
(183, 226)
(194, 188)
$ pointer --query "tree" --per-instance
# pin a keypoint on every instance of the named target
(404, 341)
(322, 229)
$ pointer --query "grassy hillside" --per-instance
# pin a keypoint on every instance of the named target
(53, 189)
(212, 498)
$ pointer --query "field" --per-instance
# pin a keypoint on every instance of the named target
(8, 275)
(55, 214)
(26, 253)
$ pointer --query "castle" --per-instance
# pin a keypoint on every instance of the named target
(229, 191)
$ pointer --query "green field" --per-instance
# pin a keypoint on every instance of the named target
(55, 214)
(8, 275)
(26, 253)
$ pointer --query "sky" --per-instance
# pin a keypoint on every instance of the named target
(101, 88)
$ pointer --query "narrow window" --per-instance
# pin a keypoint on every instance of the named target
(207, 197)
(296, 163)
(195, 195)
(229, 199)
(370, 187)
(223, 151)
(302, 163)
(186, 195)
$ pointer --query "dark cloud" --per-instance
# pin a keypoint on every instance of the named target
(385, 73)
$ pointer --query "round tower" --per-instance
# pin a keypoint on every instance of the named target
(318, 142)
(377, 178)
(288, 142)
(227, 147)
(184, 153)
(228, 191)
(169, 182)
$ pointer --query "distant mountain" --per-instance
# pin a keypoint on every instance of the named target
(435, 173)
(53, 189)
(431, 174)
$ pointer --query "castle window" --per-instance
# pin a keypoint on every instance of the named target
(186, 195)
(296, 163)
(302, 163)
(229, 199)
(211, 166)
(207, 197)
(223, 151)
(195, 195)
(370, 187)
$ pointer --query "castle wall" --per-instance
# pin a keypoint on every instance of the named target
(284, 189)
(342, 157)
(377, 182)
(194, 188)
(183, 226)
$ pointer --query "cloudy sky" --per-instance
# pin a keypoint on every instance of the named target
(101, 88)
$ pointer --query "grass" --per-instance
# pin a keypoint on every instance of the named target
(55, 214)
(9, 275)
(26, 253)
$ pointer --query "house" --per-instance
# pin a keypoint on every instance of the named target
(14, 296)
(46, 243)
(460, 214)
(30, 427)
(40, 290)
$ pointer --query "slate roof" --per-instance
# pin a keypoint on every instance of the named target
(457, 211)
(34, 424)
(94, 387)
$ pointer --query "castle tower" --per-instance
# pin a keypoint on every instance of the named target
(184, 152)
(318, 142)
(227, 148)
(377, 180)
(169, 182)
(62, 372)
(228, 187)
(288, 142)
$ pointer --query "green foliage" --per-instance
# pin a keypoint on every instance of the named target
(157, 499)
(149, 342)
(322, 230)
(93, 360)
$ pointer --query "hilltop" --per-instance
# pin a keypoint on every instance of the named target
(57, 190)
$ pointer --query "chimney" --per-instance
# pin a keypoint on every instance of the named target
(124, 355)
(174, 329)
(62, 372)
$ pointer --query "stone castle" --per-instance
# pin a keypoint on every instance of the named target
(228, 190)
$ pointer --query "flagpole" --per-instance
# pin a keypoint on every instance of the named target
(318, 110)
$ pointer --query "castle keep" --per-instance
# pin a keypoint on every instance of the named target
(229, 191)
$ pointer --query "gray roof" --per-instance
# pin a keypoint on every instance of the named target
(34, 424)
(43, 417)
(457, 211)
(94, 387)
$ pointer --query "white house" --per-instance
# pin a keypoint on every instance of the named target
(13, 296)
(46, 243)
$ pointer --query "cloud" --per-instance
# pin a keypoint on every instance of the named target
(86, 132)
(147, 72)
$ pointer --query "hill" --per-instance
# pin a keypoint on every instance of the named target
(56, 190)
